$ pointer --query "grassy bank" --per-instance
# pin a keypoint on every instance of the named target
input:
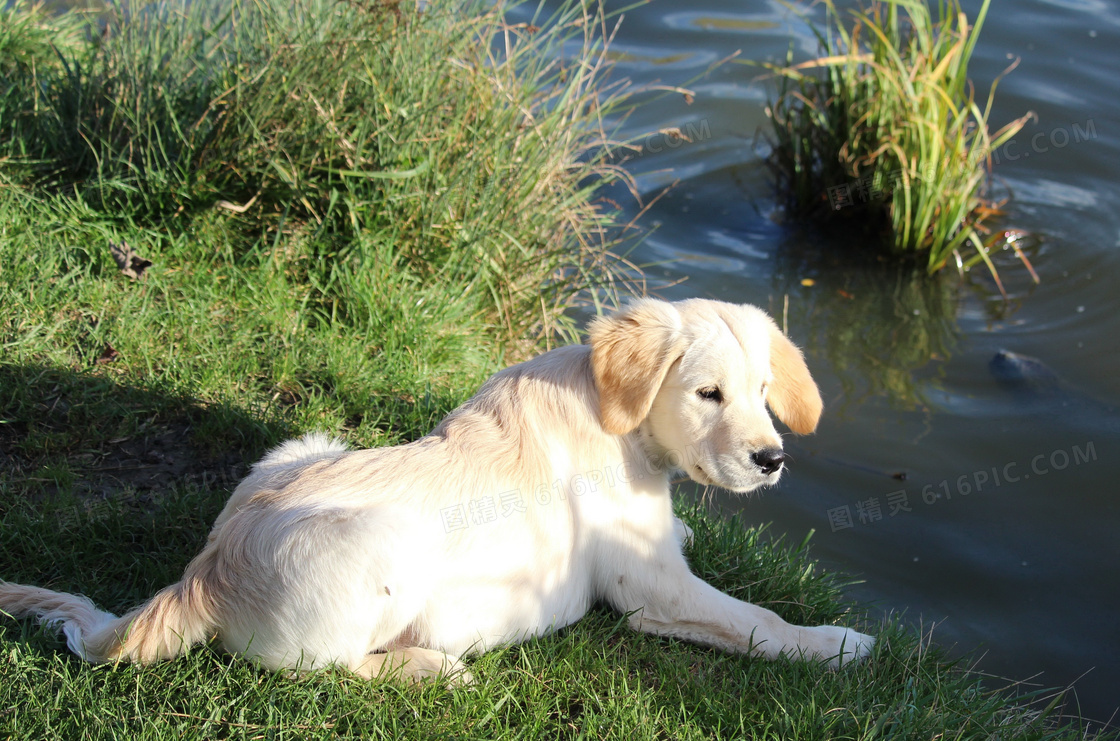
(350, 142)
(353, 214)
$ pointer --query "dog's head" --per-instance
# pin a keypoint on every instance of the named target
(696, 377)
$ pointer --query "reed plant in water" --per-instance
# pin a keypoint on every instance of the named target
(885, 125)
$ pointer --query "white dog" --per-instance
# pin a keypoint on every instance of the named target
(545, 492)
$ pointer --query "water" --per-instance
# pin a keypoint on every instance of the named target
(1004, 531)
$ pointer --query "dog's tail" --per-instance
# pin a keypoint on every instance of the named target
(165, 626)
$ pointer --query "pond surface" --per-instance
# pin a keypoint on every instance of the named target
(1005, 531)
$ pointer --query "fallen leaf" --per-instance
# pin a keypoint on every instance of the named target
(128, 261)
(108, 355)
(808, 282)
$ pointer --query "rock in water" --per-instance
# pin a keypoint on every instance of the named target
(1024, 374)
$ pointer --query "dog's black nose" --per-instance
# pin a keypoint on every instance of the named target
(769, 460)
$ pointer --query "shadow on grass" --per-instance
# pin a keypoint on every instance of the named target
(91, 435)
(108, 489)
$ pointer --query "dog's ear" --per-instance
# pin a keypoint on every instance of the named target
(630, 354)
(793, 396)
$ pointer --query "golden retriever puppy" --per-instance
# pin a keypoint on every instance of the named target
(544, 493)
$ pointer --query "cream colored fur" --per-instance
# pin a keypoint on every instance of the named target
(544, 493)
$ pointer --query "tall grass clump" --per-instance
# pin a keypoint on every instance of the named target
(885, 126)
(31, 38)
(347, 138)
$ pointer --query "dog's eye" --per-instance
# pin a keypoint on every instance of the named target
(711, 393)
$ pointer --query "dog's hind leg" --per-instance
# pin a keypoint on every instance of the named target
(414, 664)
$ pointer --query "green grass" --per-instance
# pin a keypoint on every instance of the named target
(349, 139)
(32, 40)
(884, 128)
(596, 679)
(113, 471)
(367, 305)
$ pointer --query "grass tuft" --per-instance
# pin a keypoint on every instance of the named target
(33, 40)
(885, 127)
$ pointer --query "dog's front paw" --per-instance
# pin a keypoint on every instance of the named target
(840, 645)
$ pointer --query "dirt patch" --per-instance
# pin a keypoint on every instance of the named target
(156, 462)
(138, 470)
(88, 434)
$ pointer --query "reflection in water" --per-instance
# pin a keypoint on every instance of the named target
(615, 54)
(883, 324)
(730, 23)
(883, 327)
